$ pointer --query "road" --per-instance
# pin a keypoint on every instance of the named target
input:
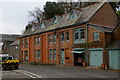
(42, 72)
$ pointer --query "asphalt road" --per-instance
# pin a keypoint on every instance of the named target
(43, 72)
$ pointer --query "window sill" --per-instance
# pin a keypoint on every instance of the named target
(67, 40)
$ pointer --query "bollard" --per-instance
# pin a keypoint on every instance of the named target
(105, 66)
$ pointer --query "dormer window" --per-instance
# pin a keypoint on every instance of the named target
(33, 28)
(42, 25)
(72, 16)
(55, 21)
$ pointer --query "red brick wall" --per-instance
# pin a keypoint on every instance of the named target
(44, 49)
(108, 39)
(116, 33)
(23, 48)
(31, 49)
(105, 16)
(95, 44)
(66, 45)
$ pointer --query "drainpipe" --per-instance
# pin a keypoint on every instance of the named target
(87, 52)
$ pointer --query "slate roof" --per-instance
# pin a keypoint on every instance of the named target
(27, 32)
(8, 37)
(59, 17)
(17, 42)
(84, 14)
(102, 28)
(89, 11)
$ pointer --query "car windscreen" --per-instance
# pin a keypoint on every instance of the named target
(6, 58)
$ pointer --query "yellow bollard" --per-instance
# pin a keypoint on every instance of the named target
(105, 66)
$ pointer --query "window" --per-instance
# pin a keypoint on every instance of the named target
(50, 38)
(50, 54)
(96, 36)
(79, 34)
(76, 34)
(72, 15)
(54, 38)
(42, 25)
(37, 54)
(33, 28)
(55, 21)
(62, 36)
(26, 43)
(35, 40)
(26, 55)
(38, 40)
(82, 34)
(67, 36)
(54, 53)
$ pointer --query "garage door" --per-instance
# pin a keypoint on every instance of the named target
(96, 58)
(114, 59)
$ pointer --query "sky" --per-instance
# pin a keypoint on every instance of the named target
(14, 14)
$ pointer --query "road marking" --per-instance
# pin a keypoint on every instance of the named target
(28, 75)
(32, 75)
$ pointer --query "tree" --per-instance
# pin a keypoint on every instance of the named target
(115, 5)
(51, 9)
(37, 14)
(118, 13)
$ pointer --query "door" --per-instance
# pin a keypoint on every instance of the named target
(26, 56)
(96, 58)
(113, 59)
(62, 57)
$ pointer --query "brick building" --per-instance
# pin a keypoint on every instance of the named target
(7, 39)
(63, 40)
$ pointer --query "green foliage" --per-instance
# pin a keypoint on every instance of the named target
(115, 5)
(118, 13)
(52, 8)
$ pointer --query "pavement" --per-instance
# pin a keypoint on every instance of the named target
(29, 72)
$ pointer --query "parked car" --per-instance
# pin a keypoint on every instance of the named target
(8, 62)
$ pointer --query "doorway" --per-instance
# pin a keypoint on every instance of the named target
(62, 57)
(78, 59)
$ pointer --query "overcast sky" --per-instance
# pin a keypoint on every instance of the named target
(14, 14)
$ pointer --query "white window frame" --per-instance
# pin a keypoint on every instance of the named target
(62, 37)
(50, 54)
(96, 36)
(54, 38)
(79, 34)
(76, 31)
(50, 38)
(37, 54)
(67, 36)
(54, 53)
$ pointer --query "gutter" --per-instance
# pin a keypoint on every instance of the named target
(87, 52)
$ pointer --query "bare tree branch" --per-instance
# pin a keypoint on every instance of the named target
(37, 14)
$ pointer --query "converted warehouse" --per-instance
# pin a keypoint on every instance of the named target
(81, 35)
